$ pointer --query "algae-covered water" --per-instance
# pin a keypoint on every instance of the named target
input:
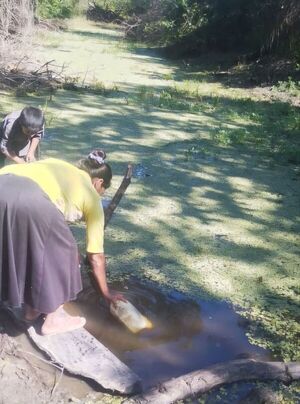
(187, 334)
(206, 218)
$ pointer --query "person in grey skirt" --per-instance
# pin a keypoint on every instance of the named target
(20, 134)
(39, 267)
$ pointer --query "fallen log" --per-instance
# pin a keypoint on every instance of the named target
(201, 381)
(118, 195)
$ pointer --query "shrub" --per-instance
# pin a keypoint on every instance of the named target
(56, 8)
(124, 8)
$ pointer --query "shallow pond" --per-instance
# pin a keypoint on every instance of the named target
(187, 334)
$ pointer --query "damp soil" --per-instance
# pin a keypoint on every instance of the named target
(27, 375)
(187, 334)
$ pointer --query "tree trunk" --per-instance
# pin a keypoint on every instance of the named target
(201, 381)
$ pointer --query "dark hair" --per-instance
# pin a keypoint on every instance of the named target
(32, 119)
(95, 166)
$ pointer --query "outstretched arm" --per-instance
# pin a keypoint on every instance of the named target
(9, 154)
(97, 262)
(31, 152)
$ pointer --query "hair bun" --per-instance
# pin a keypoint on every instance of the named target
(97, 156)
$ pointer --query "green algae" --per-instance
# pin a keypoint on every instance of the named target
(237, 392)
(222, 223)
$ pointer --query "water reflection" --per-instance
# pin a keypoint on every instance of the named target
(187, 334)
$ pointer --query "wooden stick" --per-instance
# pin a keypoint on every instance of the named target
(201, 381)
(118, 195)
(108, 212)
(44, 65)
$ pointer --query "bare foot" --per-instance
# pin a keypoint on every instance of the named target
(60, 321)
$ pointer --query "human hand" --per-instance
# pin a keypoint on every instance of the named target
(113, 297)
(18, 160)
(29, 158)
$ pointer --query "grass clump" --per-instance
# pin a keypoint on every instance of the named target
(290, 86)
(74, 83)
(270, 128)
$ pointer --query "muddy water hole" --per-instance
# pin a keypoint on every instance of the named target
(187, 334)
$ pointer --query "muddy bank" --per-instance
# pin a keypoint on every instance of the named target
(22, 380)
(29, 376)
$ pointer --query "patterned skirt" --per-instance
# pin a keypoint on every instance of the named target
(38, 253)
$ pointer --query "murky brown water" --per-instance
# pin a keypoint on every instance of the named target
(187, 334)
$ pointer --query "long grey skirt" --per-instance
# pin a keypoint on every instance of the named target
(38, 253)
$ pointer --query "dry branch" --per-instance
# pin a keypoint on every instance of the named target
(201, 381)
(118, 195)
(108, 212)
(47, 76)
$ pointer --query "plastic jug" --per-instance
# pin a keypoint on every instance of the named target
(129, 316)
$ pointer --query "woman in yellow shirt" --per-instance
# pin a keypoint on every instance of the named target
(38, 254)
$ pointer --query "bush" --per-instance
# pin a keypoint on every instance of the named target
(56, 8)
(124, 8)
(256, 28)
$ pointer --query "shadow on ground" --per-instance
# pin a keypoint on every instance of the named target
(217, 215)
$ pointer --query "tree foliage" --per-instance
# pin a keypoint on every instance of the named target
(56, 8)
(259, 26)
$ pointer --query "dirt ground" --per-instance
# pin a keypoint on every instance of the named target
(28, 376)
(220, 223)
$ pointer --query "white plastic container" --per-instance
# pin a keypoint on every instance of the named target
(129, 316)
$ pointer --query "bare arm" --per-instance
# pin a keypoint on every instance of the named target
(97, 262)
(10, 155)
(5, 133)
(33, 145)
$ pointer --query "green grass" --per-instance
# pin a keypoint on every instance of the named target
(272, 129)
(227, 394)
(50, 39)
(289, 86)
(96, 87)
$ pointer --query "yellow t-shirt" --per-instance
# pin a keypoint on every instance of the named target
(71, 190)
